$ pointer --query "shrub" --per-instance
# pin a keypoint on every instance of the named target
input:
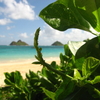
(78, 75)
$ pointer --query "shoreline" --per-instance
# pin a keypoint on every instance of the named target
(25, 60)
(23, 67)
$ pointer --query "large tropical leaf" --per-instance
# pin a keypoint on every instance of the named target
(90, 10)
(63, 16)
(90, 48)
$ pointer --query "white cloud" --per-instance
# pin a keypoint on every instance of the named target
(78, 35)
(18, 10)
(10, 27)
(48, 35)
(24, 35)
(2, 36)
(5, 21)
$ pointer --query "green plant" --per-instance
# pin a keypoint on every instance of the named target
(78, 75)
(23, 89)
(81, 77)
(65, 14)
(73, 79)
(29, 88)
(17, 85)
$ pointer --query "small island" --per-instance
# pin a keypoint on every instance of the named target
(19, 42)
(57, 43)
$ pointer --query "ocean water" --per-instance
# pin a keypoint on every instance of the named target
(15, 53)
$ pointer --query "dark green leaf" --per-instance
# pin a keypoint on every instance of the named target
(8, 82)
(79, 63)
(64, 16)
(67, 50)
(90, 48)
(50, 76)
(95, 92)
(18, 78)
(89, 66)
(45, 82)
(65, 89)
(36, 62)
(49, 93)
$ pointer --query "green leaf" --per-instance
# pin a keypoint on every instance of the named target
(45, 82)
(90, 10)
(63, 16)
(77, 74)
(65, 89)
(89, 66)
(32, 74)
(61, 59)
(50, 76)
(33, 79)
(9, 78)
(67, 50)
(74, 46)
(90, 48)
(49, 93)
(79, 63)
(36, 62)
(53, 64)
(96, 80)
(8, 82)
(95, 92)
(18, 78)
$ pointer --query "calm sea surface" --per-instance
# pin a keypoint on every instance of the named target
(12, 53)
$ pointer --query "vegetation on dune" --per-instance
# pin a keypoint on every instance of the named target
(77, 77)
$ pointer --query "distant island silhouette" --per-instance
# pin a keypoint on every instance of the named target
(57, 43)
(19, 42)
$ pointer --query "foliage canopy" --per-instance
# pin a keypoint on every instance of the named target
(78, 75)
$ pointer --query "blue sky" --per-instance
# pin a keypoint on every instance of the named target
(19, 19)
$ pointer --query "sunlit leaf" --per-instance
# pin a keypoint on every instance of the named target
(74, 46)
(90, 10)
(49, 93)
(63, 17)
(96, 80)
(77, 74)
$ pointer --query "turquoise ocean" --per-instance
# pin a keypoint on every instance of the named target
(20, 53)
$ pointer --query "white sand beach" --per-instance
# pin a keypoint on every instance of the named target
(23, 67)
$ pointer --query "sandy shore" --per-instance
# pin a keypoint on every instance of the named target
(23, 67)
